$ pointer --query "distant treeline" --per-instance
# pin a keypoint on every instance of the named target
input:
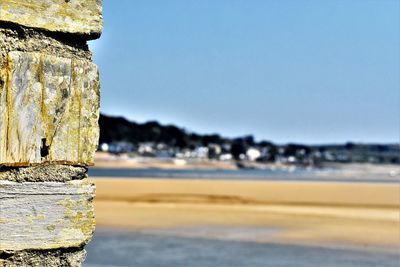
(119, 129)
(116, 129)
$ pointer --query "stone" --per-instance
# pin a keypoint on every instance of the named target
(50, 107)
(82, 17)
(20, 38)
(39, 258)
(43, 173)
(46, 215)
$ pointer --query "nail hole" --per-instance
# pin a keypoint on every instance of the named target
(44, 149)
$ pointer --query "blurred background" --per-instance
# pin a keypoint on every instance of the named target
(248, 133)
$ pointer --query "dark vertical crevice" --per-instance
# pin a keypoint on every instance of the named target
(44, 149)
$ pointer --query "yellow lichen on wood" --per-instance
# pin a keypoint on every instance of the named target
(3, 113)
(50, 107)
(72, 16)
(89, 111)
(24, 98)
(56, 77)
(46, 215)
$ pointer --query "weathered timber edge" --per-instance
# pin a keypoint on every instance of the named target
(82, 17)
(49, 108)
(61, 215)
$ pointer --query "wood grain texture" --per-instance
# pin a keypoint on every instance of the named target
(45, 215)
(3, 113)
(50, 110)
(73, 16)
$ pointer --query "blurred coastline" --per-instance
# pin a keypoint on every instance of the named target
(106, 160)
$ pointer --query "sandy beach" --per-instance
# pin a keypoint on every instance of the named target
(323, 213)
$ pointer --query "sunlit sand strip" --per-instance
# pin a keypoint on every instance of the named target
(303, 211)
(250, 192)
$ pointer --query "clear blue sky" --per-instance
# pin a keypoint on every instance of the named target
(285, 71)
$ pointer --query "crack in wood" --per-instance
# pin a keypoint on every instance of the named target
(57, 100)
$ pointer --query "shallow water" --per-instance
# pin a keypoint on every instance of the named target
(267, 174)
(145, 249)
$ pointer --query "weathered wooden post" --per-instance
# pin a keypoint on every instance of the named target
(49, 109)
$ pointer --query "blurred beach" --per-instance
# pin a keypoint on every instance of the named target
(358, 219)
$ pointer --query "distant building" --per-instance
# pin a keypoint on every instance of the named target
(103, 147)
(117, 147)
(225, 157)
(253, 154)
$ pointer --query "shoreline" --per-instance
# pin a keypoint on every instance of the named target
(339, 170)
(303, 212)
(197, 233)
(104, 160)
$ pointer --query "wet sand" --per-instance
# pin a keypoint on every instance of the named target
(111, 247)
(325, 213)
